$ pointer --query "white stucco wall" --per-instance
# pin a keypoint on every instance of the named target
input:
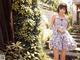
(74, 13)
(76, 1)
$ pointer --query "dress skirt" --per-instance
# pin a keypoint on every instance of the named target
(62, 41)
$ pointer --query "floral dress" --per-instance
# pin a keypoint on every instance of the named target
(61, 41)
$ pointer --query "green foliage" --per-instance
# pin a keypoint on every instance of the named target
(16, 51)
(26, 18)
(70, 29)
(53, 4)
(69, 20)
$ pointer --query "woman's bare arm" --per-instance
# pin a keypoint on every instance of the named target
(52, 21)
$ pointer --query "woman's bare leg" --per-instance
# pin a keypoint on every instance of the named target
(63, 54)
(56, 54)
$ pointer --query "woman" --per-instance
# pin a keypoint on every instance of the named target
(61, 40)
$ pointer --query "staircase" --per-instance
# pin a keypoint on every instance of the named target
(71, 55)
(75, 54)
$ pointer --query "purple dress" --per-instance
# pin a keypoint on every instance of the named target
(61, 41)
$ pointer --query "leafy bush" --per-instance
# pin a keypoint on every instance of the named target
(53, 4)
(16, 51)
(26, 18)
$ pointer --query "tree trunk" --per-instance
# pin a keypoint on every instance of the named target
(6, 23)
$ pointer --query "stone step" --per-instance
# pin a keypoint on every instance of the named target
(70, 54)
(73, 54)
(76, 36)
(75, 33)
(77, 50)
(78, 44)
(77, 40)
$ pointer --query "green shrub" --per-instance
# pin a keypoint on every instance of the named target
(53, 4)
(26, 18)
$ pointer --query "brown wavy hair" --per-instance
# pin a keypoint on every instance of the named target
(62, 6)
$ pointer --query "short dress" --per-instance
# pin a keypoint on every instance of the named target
(61, 41)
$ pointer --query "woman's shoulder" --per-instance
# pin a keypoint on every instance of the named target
(55, 14)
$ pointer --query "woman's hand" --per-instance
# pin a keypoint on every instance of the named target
(60, 30)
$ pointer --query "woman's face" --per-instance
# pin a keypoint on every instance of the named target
(62, 11)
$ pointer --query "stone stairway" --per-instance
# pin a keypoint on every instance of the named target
(71, 55)
(76, 53)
